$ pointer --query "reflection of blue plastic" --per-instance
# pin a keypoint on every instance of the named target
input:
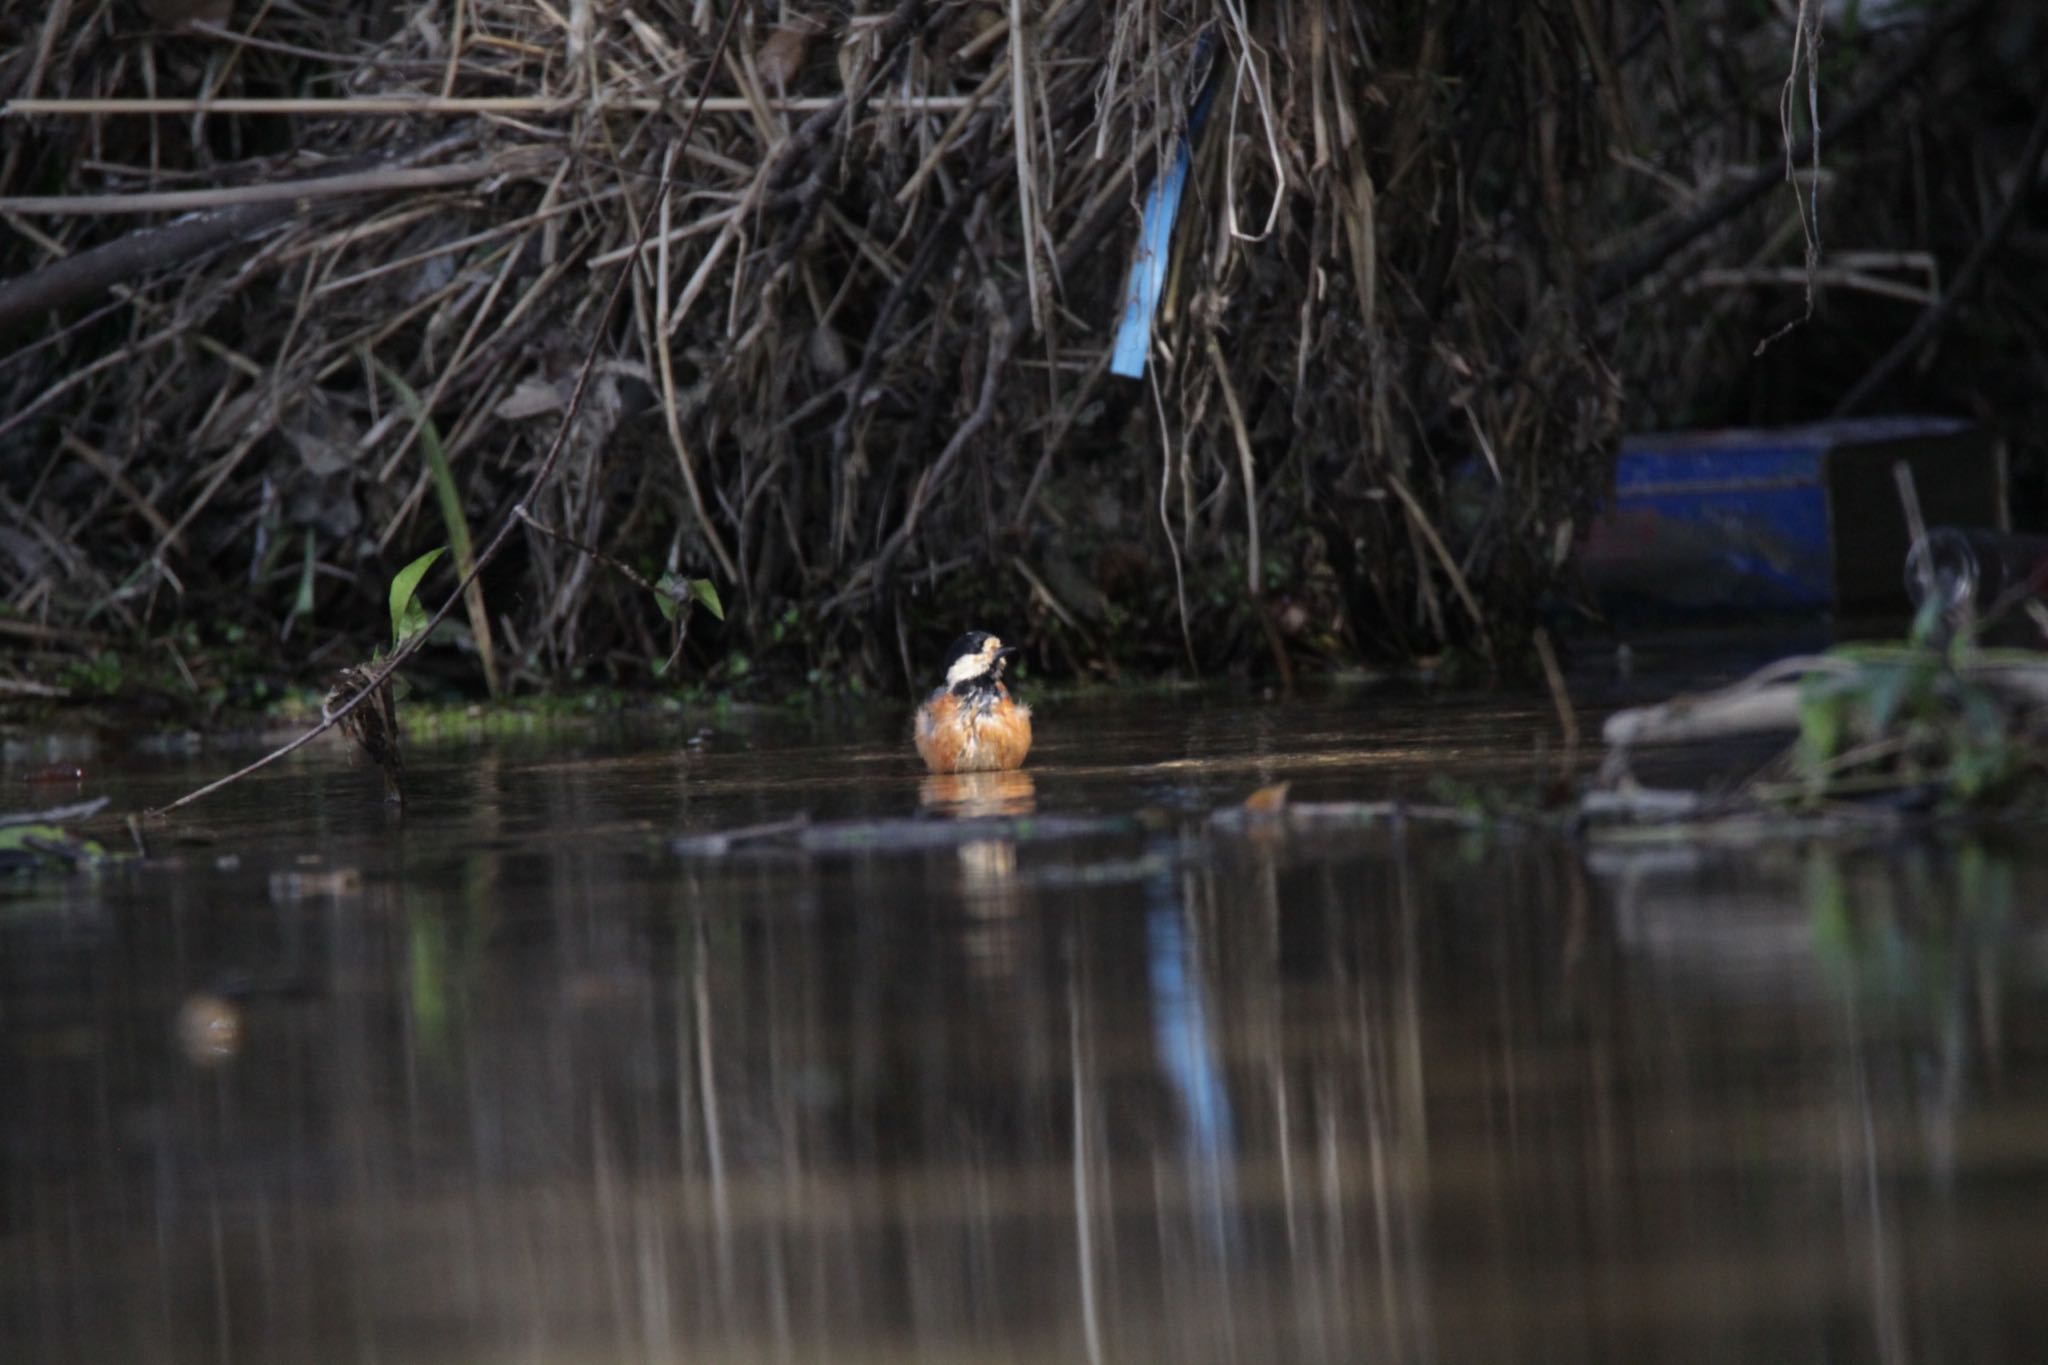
(1185, 1048)
(1155, 234)
(1187, 1054)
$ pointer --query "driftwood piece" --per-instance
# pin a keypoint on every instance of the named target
(1767, 701)
(1712, 715)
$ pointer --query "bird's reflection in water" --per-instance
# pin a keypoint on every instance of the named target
(988, 867)
(973, 795)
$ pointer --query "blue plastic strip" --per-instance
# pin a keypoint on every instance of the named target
(1155, 231)
(1148, 268)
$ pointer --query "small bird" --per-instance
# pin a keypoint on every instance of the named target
(971, 723)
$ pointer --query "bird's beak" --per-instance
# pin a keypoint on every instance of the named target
(1003, 655)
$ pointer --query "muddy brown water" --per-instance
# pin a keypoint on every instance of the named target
(506, 1079)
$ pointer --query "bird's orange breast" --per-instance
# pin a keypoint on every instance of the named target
(958, 736)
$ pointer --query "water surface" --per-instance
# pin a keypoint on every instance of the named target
(506, 1078)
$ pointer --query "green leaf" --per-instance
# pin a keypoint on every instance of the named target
(672, 590)
(669, 591)
(1927, 622)
(668, 594)
(1823, 717)
(408, 617)
(1890, 687)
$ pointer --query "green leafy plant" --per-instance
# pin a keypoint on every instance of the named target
(408, 614)
(677, 596)
(1902, 718)
(32, 847)
(449, 498)
(101, 675)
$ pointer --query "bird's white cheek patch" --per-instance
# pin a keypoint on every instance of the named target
(973, 666)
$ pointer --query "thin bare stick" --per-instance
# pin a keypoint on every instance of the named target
(524, 160)
(1253, 562)
(82, 810)
(666, 319)
(1021, 138)
(625, 571)
(1824, 277)
(460, 106)
(105, 467)
(1560, 695)
(1909, 501)
(946, 139)
(1180, 582)
(1422, 527)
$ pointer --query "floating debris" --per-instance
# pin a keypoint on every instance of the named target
(1268, 800)
(372, 725)
(37, 841)
(912, 834)
(1906, 728)
(210, 1029)
(287, 888)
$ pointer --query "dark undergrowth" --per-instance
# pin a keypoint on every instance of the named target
(1432, 259)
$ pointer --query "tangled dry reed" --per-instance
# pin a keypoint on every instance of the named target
(859, 380)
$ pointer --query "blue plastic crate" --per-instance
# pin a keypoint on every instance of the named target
(1788, 520)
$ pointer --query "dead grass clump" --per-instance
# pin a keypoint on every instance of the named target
(323, 280)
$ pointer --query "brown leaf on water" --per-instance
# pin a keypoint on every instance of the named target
(1268, 800)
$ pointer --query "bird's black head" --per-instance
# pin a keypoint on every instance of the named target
(976, 660)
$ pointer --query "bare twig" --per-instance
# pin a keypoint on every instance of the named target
(414, 106)
(79, 811)
(520, 161)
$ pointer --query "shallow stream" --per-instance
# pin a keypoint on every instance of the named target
(510, 1078)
